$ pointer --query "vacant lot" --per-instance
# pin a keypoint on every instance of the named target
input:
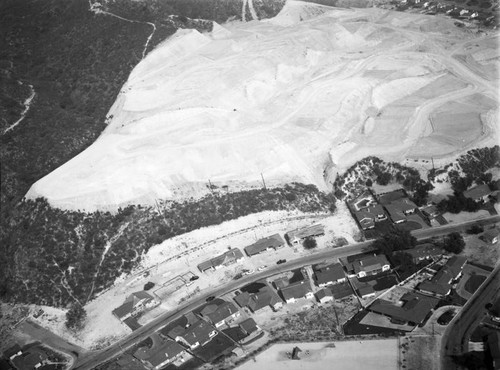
(420, 352)
(350, 355)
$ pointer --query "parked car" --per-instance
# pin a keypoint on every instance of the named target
(262, 267)
(195, 277)
(211, 298)
(280, 262)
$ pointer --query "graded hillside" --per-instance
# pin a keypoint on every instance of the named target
(295, 98)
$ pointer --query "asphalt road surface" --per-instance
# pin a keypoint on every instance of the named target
(455, 340)
(93, 359)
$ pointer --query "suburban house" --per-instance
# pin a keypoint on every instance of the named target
(440, 283)
(412, 309)
(266, 296)
(249, 326)
(478, 193)
(135, 304)
(367, 217)
(325, 275)
(430, 211)
(296, 236)
(300, 289)
(225, 259)
(399, 209)
(491, 236)
(370, 265)
(366, 291)
(423, 252)
(272, 242)
(220, 313)
(324, 295)
(195, 335)
(161, 354)
(12, 352)
(341, 290)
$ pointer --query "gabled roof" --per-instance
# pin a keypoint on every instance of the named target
(326, 273)
(231, 255)
(322, 293)
(370, 263)
(430, 210)
(256, 301)
(415, 307)
(131, 303)
(273, 241)
(395, 213)
(365, 289)
(440, 282)
(423, 251)
(297, 290)
(304, 232)
(222, 312)
(249, 325)
(198, 332)
(341, 290)
(403, 205)
(455, 265)
(478, 191)
(168, 350)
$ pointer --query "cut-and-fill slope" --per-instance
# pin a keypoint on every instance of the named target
(294, 98)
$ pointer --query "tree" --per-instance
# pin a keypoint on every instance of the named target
(369, 183)
(454, 243)
(75, 317)
(148, 285)
(310, 243)
(384, 178)
(394, 241)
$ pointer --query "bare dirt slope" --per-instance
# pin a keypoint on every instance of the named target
(295, 98)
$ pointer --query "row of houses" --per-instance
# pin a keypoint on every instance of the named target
(269, 243)
(394, 205)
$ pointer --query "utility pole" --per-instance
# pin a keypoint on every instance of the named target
(263, 181)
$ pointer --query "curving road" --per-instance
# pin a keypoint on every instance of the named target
(91, 360)
(455, 340)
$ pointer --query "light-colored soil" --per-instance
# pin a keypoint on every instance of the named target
(349, 355)
(476, 250)
(296, 98)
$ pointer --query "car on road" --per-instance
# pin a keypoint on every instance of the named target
(211, 298)
(280, 262)
(193, 278)
(247, 272)
(262, 267)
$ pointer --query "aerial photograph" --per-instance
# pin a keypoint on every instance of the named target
(250, 184)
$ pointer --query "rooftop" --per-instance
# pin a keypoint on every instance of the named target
(297, 290)
(327, 273)
(415, 307)
(273, 241)
(370, 263)
(302, 233)
(249, 325)
(256, 301)
(219, 312)
(131, 303)
(230, 256)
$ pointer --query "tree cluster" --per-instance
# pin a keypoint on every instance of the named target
(75, 317)
(454, 243)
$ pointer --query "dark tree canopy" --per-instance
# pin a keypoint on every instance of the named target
(394, 241)
(454, 243)
(148, 285)
(75, 317)
(310, 243)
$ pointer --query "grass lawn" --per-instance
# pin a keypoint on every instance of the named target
(473, 283)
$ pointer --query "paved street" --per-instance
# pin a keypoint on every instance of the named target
(91, 360)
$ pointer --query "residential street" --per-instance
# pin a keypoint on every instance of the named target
(91, 360)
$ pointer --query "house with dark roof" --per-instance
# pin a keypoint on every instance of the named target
(370, 265)
(220, 313)
(478, 193)
(296, 236)
(249, 326)
(430, 211)
(423, 252)
(330, 274)
(399, 209)
(367, 217)
(134, 304)
(366, 291)
(13, 351)
(413, 308)
(324, 295)
(266, 296)
(225, 259)
(292, 292)
(272, 242)
(341, 290)
(491, 236)
(195, 335)
(440, 284)
(161, 354)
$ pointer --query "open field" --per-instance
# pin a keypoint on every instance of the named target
(295, 98)
(349, 355)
